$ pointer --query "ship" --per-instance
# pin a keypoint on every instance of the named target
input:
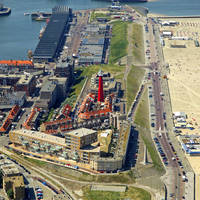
(4, 10)
(132, 1)
(125, 1)
(40, 16)
(42, 31)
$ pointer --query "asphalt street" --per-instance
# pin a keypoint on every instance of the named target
(176, 187)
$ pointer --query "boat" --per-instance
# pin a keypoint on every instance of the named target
(115, 5)
(4, 10)
(40, 16)
(124, 1)
(25, 14)
(42, 31)
(132, 1)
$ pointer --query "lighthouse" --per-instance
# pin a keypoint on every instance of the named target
(100, 89)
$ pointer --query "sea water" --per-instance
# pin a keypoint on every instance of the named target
(18, 33)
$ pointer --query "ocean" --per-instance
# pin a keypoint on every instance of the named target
(18, 33)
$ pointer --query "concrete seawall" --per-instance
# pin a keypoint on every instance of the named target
(179, 17)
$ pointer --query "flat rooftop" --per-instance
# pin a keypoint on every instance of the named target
(60, 80)
(99, 40)
(81, 132)
(25, 79)
(48, 86)
(14, 76)
(41, 136)
(51, 39)
(95, 28)
(9, 169)
(18, 180)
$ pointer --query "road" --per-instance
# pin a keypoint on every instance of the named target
(75, 32)
(40, 173)
(176, 187)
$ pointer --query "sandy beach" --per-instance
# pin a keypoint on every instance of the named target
(184, 70)
(183, 77)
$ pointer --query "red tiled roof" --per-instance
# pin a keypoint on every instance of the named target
(16, 62)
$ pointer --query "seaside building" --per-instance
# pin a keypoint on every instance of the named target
(190, 144)
(26, 83)
(21, 65)
(8, 98)
(94, 44)
(48, 95)
(65, 69)
(62, 84)
(50, 43)
(13, 179)
(20, 82)
(100, 89)
(81, 145)
(109, 84)
(80, 138)
(6, 119)
(77, 145)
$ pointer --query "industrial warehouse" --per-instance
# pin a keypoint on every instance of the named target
(48, 47)
(94, 45)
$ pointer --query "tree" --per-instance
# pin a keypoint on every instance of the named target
(10, 193)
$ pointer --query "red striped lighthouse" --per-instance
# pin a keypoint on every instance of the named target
(100, 89)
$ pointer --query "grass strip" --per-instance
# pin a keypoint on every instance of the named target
(131, 193)
(119, 42)
(142, 119)
(138, 43)
(134, 80)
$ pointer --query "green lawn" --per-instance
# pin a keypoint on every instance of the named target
(90, 70)
(138, 43)
(142, 114)
(39, 163)
(119, 42)
(134, 79)
(125, 177)
(95, 15)
(50, 114)
(142, 119)
(99, 195)
(87, 72)
(134, 193)
(131, 193)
